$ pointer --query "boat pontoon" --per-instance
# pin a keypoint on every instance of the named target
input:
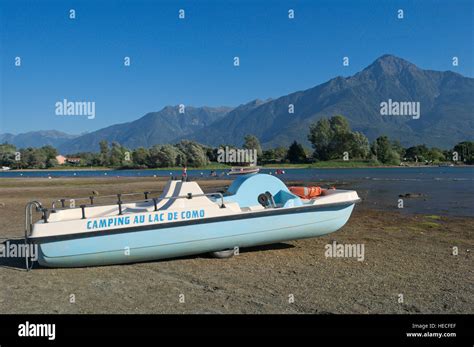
(256, 209)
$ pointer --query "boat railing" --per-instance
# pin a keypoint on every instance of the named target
(29, 227)
(93, 198)
(93, 201)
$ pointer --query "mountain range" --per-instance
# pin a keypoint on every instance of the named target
(160, 127)
(37, 138)
(446, 101)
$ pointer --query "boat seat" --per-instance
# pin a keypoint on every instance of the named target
(180, 188)
(286, 199)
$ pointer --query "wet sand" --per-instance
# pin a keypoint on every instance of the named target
(404, 254)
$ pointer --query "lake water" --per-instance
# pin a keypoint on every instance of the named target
(444, 190)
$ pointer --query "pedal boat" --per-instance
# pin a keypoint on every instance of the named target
(257, 209)
(243, 170)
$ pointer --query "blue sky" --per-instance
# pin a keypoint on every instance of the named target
(190, 61)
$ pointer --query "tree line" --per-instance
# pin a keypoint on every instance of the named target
(331, 139)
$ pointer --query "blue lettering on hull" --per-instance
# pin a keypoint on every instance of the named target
(151, 218)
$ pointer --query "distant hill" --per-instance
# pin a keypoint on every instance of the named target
(37, 138)
(153, 128)
(446, 101)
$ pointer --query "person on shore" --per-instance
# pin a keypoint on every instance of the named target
(184, 175)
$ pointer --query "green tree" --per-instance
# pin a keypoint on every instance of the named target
(49, 151)
(33, 158)
(116, 155)
(51, 162)
(252, 142)
(359, 146)
(436, 155)
(417, 153)
(421, 153)
(88, 158)
(397, 147)
(104, 152)
(332, 138)
(465, 151)
(320, 136)
(163, 156)
(181, 159)
(7, 154)
(340, 125)
(280, 153)
(193, 153)
(296, 153)
(140, 156)
(159, 156)
(382, 149)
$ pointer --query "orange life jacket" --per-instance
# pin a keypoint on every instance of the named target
(306, 192)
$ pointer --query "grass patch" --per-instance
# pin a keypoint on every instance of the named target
(345, 164)
(433, 216)
(429, 225)
(212, 166)
(285, 166)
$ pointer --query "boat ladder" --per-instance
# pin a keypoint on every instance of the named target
(29, 228)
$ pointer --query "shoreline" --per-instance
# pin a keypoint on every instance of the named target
(272, 167)
(419, 197)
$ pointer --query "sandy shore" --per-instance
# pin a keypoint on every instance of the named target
(408, 255)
